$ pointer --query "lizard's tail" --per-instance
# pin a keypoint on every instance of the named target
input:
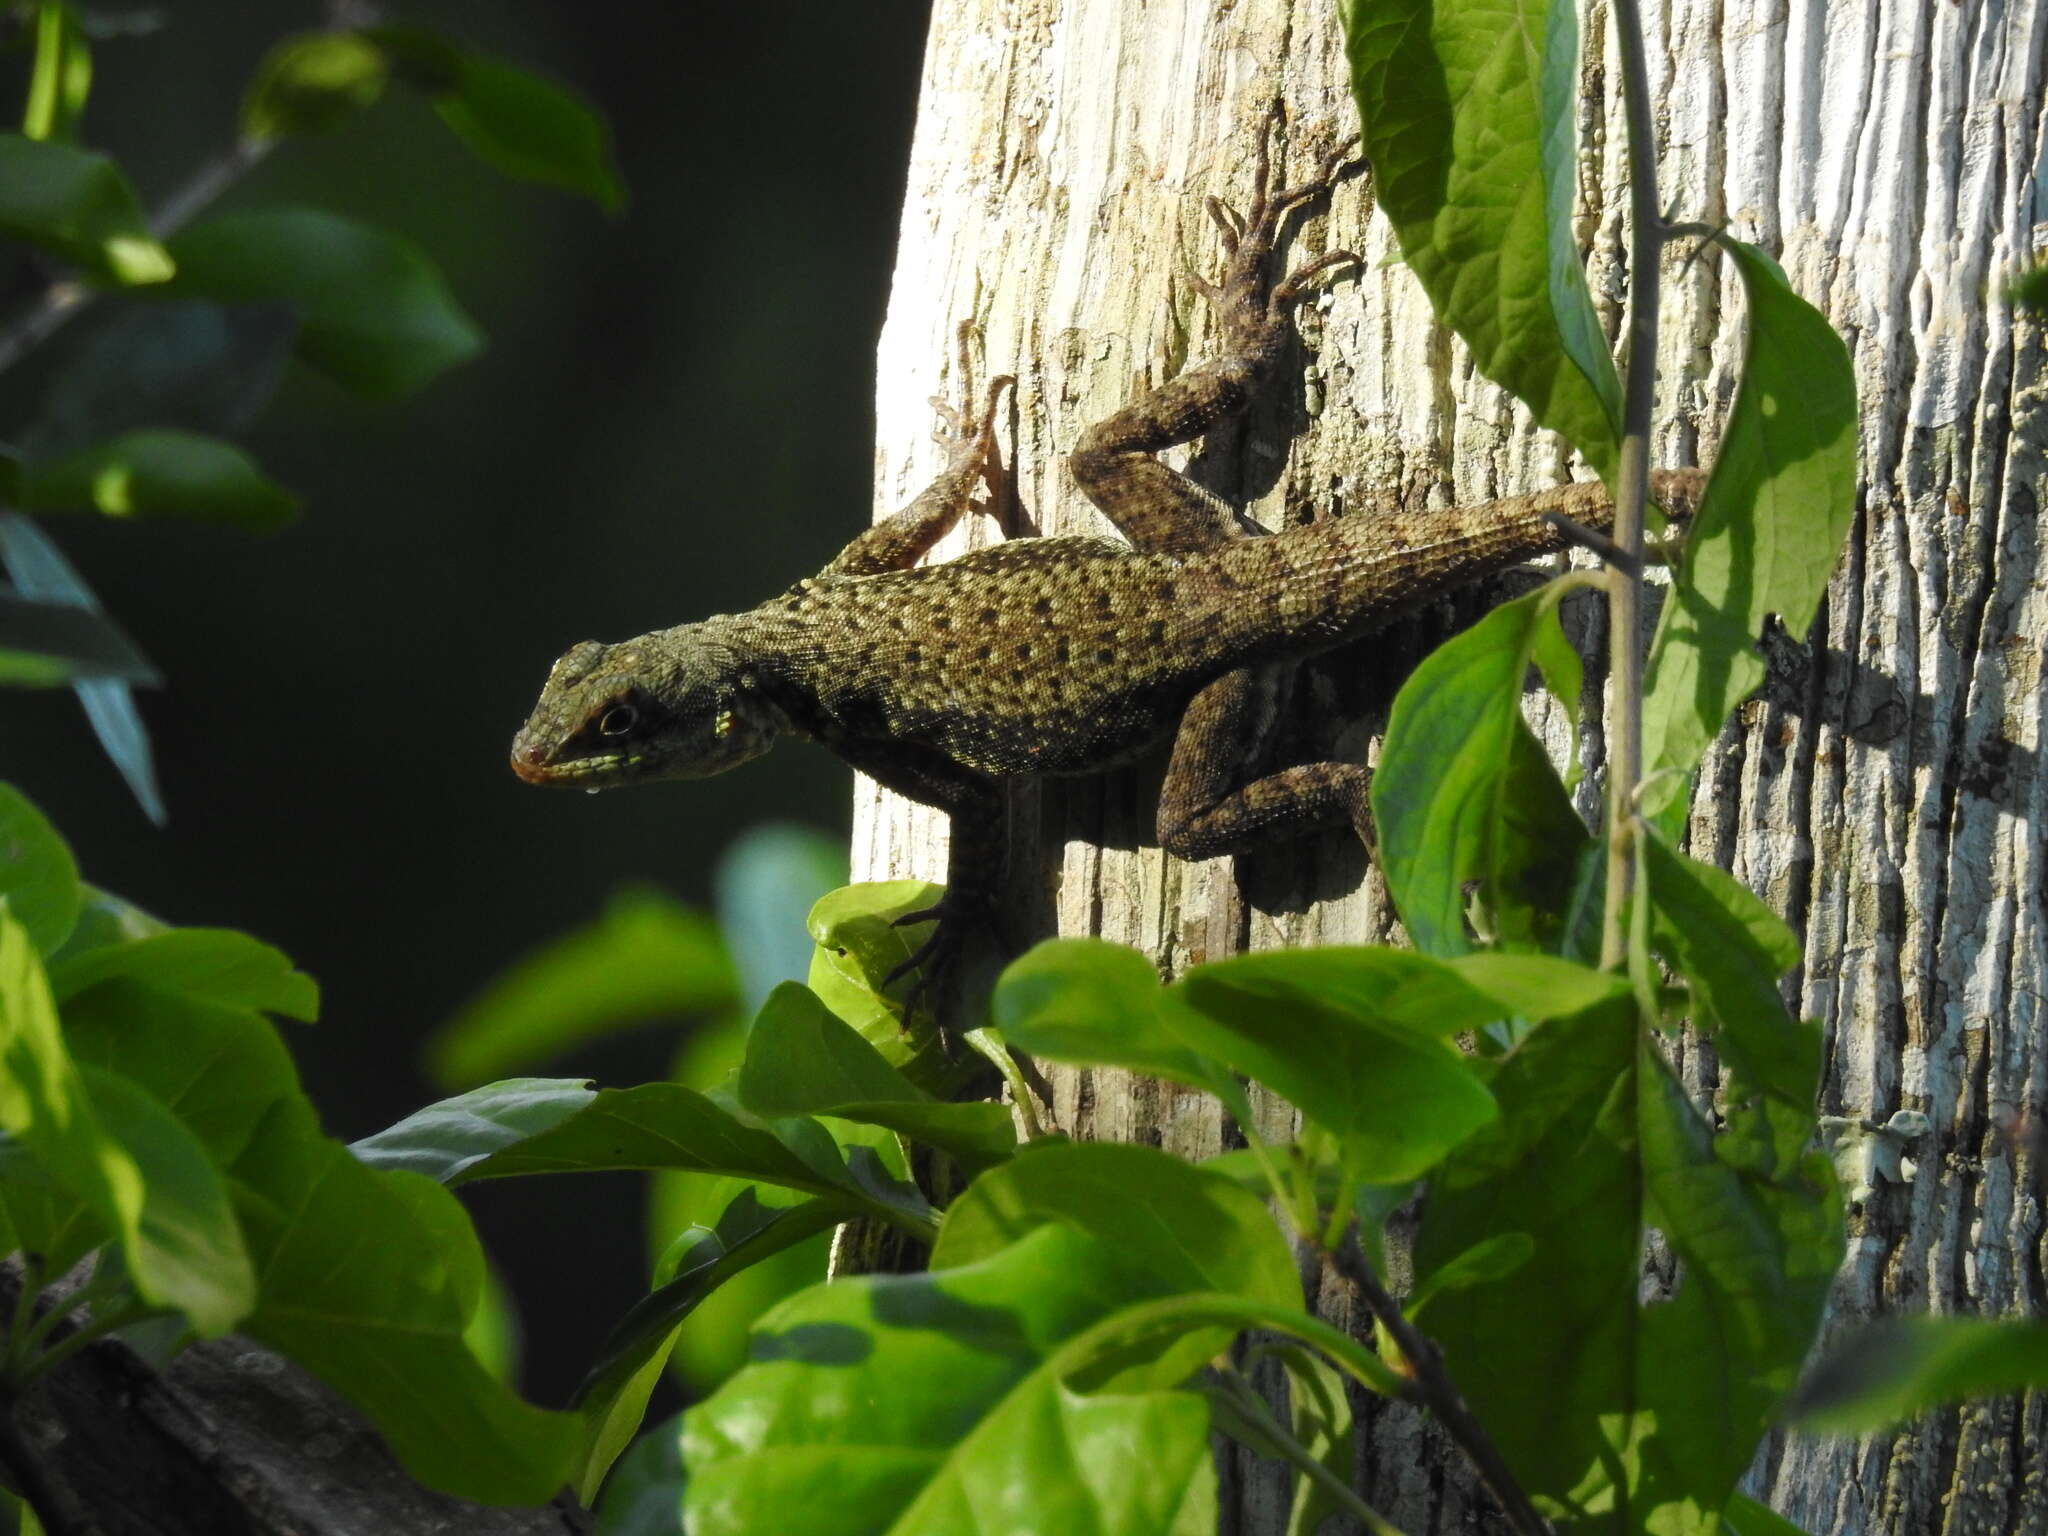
(1336, 580)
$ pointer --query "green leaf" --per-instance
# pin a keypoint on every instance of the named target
(1092, 1003)
(77, 206)
(858, 946)
(665, 1125)
(177, 1251)
(644, 1495)
(1744, 1516)
(1321, 1421)
(49, 645)
(1184, 1229)
(42, 574)
(162, 473)
(1358, 1039)
(2029, 290)
(38, 878)
(803, 1060)
(1769, 530)
(645, 957)
(1883, 1373)
(61, 78)
(1464, 792)
(904, 1403)
(1482, 1264)
(531, 129)
(376, 316)
(613, 1397)
(214, 965)
(383, 1321)
(313, 83)
(445, 1140)
(186, 1250)
(1467, 107)
(1597, 1140)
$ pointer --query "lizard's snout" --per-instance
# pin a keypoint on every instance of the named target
(530, 761)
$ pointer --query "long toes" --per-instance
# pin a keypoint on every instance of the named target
(1303, 278)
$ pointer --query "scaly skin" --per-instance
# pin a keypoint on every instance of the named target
(1065, 655)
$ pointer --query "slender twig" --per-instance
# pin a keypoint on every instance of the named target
(1434, 1389)
(1245, 1398)
(1632, 482)
(1591, 538)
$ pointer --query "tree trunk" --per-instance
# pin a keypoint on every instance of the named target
(1883, 790)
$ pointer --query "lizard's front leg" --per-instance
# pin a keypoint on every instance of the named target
(969, 439)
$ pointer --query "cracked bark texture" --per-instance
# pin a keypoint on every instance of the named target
(1883, 790)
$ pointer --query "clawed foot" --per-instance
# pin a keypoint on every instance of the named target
(936, 961)
(1247, 296)
(970, 438)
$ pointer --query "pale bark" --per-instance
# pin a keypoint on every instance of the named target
(1884, 789)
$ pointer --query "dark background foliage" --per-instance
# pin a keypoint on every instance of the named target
(674, 417)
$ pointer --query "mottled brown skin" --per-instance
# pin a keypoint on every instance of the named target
(1065, 655)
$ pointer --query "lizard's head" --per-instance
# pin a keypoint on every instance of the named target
(667, 706)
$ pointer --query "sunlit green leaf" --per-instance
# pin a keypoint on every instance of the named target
(1467, 108)
(161, 473)
(646, 957)
(803, 1060)
(925, 1403)
(38, 877)
(376, 315)
(446, 1139)
(61, 77)
(313, 83)
(1091, 1003)
(186, 1250)
(1769, 529)
(76, 205)
(1188, 1229)
(1359, 1038)
(1463, 791)
(1886, 1372)
(859, 945)
(212, 964)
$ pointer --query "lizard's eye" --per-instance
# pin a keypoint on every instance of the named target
(618, 720)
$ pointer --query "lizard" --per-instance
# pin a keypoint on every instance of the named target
(1063, 655)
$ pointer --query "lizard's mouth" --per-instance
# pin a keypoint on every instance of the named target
(531, 764)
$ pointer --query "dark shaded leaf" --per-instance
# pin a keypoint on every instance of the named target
(215, 965)
(376, 315)
(1886, 1372)
(48, 645)
(78, 206)
(157, 472)
(531, 128)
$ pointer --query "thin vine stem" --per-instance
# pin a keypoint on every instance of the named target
(1246, 1400)
(1432, 1387)
(1631, 490)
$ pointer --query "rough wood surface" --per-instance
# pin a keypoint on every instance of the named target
(232, 1439)
(1883, 790)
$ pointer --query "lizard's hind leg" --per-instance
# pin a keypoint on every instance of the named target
(1157, 508)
